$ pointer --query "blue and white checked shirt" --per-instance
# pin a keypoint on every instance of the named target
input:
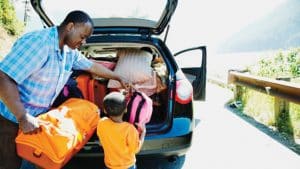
(40, 69)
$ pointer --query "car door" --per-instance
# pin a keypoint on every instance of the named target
(194, 68)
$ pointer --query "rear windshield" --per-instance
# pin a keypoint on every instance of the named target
(139, 9)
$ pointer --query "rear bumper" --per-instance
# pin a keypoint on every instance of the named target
(167, 146)
(154, 147)
(176, 141)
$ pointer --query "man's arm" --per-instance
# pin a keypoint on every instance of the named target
(9, 94)
(104, 72)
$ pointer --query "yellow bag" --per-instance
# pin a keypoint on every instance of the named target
(65, 130)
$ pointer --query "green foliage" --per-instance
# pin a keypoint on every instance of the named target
(1, 11)
(282, 65)
(295, 118)
(294, 59)
(8, 18)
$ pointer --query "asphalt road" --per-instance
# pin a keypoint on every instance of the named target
(225, 141)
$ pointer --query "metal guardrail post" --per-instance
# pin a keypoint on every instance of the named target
(282, 115)
(238, 92)
(237, 89)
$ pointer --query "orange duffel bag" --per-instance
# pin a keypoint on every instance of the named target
(65, 130)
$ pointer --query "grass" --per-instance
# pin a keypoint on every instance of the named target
(295, 118)
(259, 106)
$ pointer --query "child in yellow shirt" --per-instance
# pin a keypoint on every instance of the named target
(120, 140)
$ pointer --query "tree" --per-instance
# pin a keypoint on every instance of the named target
(8, 18)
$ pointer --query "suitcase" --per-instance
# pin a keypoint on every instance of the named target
(97, 92)
(82, 84)
(92, 89)
(65, 130)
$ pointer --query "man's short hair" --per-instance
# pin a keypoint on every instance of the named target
(114, 104)
(77, 17)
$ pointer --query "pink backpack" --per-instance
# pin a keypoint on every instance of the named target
(139, 108)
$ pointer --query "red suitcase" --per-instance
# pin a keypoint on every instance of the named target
(92, 89)
(97, 91)
(83, 83)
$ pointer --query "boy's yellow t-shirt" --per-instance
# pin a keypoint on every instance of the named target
(120, 142)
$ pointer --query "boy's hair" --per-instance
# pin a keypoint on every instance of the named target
(114, 104)
(77, 16)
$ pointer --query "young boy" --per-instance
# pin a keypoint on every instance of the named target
(120, 140)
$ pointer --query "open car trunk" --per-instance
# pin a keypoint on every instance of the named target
(109, 54)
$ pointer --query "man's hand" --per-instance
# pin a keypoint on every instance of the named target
(124, 83)
(29, 124)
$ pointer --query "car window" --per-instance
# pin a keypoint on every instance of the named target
(150, 10)
(189, 59)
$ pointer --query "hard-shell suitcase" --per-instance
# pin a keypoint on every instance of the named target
(83, 83)
(97, 92)
(65, 130)
(92, 89)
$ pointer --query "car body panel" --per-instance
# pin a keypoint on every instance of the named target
(196, 74)
(151, 15)
(172, 136)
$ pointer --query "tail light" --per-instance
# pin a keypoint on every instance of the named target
(184, 89)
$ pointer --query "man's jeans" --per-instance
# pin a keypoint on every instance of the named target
(8, 154)
(27, 165)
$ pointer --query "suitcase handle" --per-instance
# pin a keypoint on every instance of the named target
(37, 153)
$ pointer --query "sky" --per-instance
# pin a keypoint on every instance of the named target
(211, 21)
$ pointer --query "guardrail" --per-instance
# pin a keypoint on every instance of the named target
(283, 91)
(278, 88)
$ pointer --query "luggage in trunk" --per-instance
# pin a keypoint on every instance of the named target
(92, 89)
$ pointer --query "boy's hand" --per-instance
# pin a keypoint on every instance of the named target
(141, 128)
(127, 92)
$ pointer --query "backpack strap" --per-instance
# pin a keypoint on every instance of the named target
(138, 110)
(129, 107)
(139, 107)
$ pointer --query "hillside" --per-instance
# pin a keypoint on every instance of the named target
(10, 26)
(6, 41)
(278, 30)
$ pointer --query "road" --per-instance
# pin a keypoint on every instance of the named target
(222, 140)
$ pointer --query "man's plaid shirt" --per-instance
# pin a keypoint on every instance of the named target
(40, 69)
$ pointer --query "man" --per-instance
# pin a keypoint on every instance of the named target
(34, 72)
